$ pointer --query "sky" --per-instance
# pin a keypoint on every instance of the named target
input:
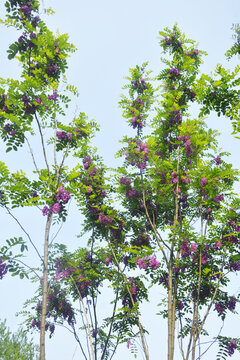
(111, 37)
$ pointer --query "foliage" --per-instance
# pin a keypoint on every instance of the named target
(16, 346)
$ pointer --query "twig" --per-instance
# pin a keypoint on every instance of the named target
(29, 238)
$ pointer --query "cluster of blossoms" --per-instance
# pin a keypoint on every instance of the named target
(140, 86)
(187, 144)
(93, 188)
(3, 269)
(145, 262)
(172, 40)
(174, 74)
(53, 96)
(30, 107)
(218, 160)
(57, 307)
(62, 197)
(61, 135)
(231, 347)
(221, 307)
(142, 240)
(10, 129)
(137, 121)
(104, 219)
(134, 292)
(66, 137)
(137, 154)
(164, 279)
(192, 54)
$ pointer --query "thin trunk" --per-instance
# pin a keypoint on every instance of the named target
(44, 288)
(170, 314)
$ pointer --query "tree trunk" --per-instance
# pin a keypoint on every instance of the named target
(44, 288)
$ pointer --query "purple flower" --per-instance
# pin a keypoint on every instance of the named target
(203, 182)
(56, 208)
(3, 269)
(218, 160)
(108, 261)
(217, 245)
(63, 195)
(232, 303)
(52, 97)
(33, 36)
(154, 263)
(26, 10)
(231, 347)
(61, 135)
(180, 305)
(45, 210)
(219, 308)
(125, 181)
(128, 344)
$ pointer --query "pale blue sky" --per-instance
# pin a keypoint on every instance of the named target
(112, 36)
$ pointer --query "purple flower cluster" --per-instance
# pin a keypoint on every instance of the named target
(62, 197)
(220, 308)
(187, 144)
(174, 74)
(218, 160)
(172, 40)
(203, 182)
(125, 181)
(232, 303)
(105, 220)
(134, 292)
(137, 106)
(164, 279)
(140, 86)
(53, 96)
(10, 129)
(175, 117)
(138, 155)
(231, 347)
(3, 269)
(218, 198)
(192, 54)
(142, 240)
(145, 262)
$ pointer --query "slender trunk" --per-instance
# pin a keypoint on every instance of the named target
(171, 314)
(44, 288)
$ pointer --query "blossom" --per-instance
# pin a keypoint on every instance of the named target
(56, 208)
(154, 263)
(218, 160)
(108, 261)
(63, 195)
(232, 303)
(219, 308)
(217, 245)
(3, 269)
(45, 210)
(193, 247)
(203, 182)
(231, 347)
(128, 344)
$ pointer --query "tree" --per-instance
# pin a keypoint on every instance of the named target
(179, 223)
(16, 346)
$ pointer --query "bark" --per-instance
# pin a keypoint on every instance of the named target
(44, 288)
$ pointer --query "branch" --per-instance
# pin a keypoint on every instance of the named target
(132, 301)
(86, 318)
(43, 145)
(29, 238)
